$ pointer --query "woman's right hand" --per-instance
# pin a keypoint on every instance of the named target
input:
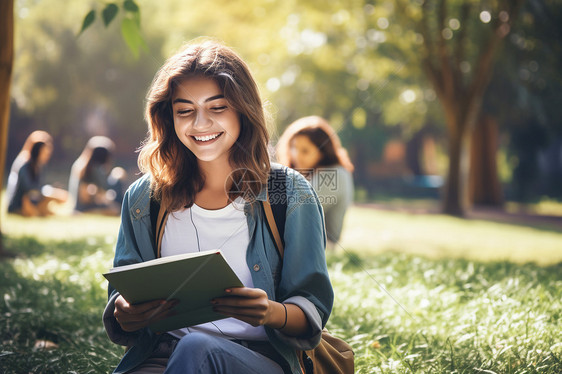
(132, 317)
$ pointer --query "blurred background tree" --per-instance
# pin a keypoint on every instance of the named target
(6, 65)
(460, 40)
(403, 82)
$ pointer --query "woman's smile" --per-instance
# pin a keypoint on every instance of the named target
(207, 138)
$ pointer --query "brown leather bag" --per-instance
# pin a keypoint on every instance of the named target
(332, 355)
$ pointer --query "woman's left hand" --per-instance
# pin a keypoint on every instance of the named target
(250, 305)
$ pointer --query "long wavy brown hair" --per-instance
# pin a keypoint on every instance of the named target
(176, 177)
(322, 135)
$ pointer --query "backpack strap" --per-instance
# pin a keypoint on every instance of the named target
(154, 209)
(162, 218)
(272, 226)
(275, 207)
(158, 217)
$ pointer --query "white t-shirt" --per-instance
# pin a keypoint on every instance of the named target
(196, 229)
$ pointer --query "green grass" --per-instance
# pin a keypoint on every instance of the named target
(405, 313)
(55, 291)
(414, 294)
(440, 236)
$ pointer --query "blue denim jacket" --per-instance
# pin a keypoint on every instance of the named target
(301, 279)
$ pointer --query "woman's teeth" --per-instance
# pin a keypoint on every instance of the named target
(206, 138)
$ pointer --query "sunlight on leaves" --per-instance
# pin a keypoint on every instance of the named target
(131, 34)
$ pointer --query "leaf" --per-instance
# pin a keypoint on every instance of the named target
(88, 20)
(109, 13)
(130, 6)
(131, 34)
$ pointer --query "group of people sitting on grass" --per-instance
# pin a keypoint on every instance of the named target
(93, 185)
(309, 145)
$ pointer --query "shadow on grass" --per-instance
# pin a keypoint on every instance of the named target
(466, 271)
(29, 246)
(552, 224)
(540, 222)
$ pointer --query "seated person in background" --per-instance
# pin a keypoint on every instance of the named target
(311, 146)
(25, 193)
(93, 187)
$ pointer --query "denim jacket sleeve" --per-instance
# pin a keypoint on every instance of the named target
(134, 244)
(304, 276)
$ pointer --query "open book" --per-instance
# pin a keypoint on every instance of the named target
(193, 279)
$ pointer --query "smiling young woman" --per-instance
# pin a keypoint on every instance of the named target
(206, 163)
(174, 167)
(209, 127)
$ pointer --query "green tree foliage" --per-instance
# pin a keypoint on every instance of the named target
(365, 65)
(76, 88)
(130, 23)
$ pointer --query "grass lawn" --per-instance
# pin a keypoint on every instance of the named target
(439, 236)
(414, 294)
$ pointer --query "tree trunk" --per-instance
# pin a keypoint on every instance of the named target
(454, 202)
(6, 64)
(484, 182)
